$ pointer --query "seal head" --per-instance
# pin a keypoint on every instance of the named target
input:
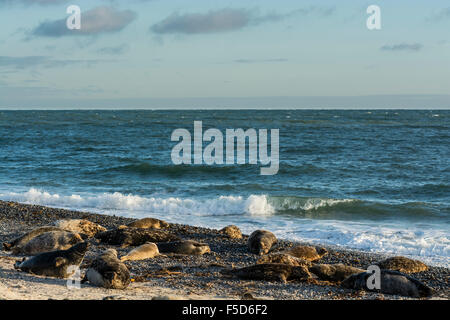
(261, 241)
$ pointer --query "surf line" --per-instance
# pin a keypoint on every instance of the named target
(213, 152)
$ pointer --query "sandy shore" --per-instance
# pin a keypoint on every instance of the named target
(179, 276)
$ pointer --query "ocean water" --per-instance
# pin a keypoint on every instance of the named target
(372, 180)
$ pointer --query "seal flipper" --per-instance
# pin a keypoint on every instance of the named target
(18, 263)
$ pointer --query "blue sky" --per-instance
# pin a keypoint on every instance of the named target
(151, 53)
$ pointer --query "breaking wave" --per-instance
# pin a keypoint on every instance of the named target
(255, 205)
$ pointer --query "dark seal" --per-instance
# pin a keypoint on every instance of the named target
(55, 263)
(261, 241)
(108, 271)
(391, 282)
(125, 237)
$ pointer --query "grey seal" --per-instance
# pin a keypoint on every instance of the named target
(20, 241)
(184, 247)
(125, 237)
(391, 282)
(284, 258)
(146, 251)
(108, 271)
(402, 264)
(81, 226)
(307, 252)
(55, 263)
(271, 272)
(146, 223)
(232, 232)
(334, 272)
(48, 241)
(261, 241)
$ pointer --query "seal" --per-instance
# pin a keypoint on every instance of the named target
(334, 272)
(184, 247)
(48, 241)
(55, 263)
(24, 239)
(402, 264)
(284, 258)
(271, 272)
(108, 271)
(307, 252)
(232, 232)
(81, 226)
(146, 223)
(146, 251)
(261, 241)
(391, 282)
(125, 237)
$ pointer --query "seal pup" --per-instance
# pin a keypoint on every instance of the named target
(125, 237)
(55, 263)
(261, 241)
(334, 272)
(307, 252)
(108, 271)
(271, 272)
(232, 232)
(22, 240)
(81, 226)
(48, 241)
(147, 223)
(284, 258)
(402, 264)
(391, 282)
(146, 251)
(184, 247)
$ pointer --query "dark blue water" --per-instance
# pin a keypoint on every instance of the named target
(372, 180)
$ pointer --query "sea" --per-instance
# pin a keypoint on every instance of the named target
(369, 180)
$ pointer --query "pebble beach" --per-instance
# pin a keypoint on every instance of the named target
(181, 276)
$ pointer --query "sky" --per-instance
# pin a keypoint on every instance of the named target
(208, 54)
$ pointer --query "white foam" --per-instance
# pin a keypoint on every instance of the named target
(426, 243)
(222, 205)
(307, 204)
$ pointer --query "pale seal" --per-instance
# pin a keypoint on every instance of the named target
(22, 240)
(125, 237)
(284, 258)
(307, 252)
(147, 223)
(48, 241)
(146, 251)
(108, 272)
(271, 272)
(184, 247)
(334, 272)
(55, 263)
(403, 264)
(261, 241)
(232, 232)
(391, 282)
(81, 226)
